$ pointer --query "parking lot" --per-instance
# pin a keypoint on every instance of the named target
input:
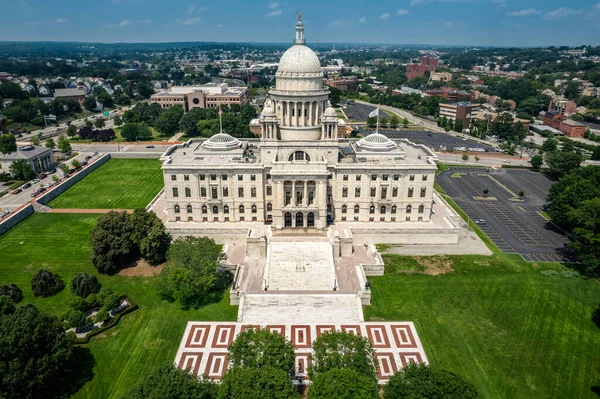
(435, 141)
(359, 112)
(514, 225)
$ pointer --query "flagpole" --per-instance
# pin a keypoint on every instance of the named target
(220, 120)
(377, 125)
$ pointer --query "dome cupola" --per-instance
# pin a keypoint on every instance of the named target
(376, 142)
(221, 142)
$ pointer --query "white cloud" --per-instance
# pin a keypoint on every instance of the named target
(523, 13)
(189, 21)
(561, 13)
(219, 26)
(402, 11)
(274, 13)
(384, 17)
(597, 6)
(362, 20)
(61, 20)
(124, 23)
(193, 8)
(273, 5)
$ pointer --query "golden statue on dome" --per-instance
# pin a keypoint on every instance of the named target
(299, 16)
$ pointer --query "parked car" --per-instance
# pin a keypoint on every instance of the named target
(88, 157)
(150, 146)
(16, 191)
(479, 221)
(42, 176)
(53, 170)
(26, 185)
(3, 213)
(38, 192)
(35, 181)
(84, 163)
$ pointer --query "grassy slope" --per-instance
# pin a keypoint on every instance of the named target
(119, 183)
(497, 320)
(143, 339)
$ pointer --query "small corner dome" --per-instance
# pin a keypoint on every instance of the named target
(329, 112)
(268, 110)
(299, 59)
(221, 142)
(376, 142)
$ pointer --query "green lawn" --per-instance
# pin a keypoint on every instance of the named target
(496, 320)
(118, 184)
(143, 339)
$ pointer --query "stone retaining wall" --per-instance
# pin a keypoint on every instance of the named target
(136, 155)
(15, 218)
(221, 236)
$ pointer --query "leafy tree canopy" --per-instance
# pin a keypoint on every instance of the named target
(12, 291)
(45, 283)
(8, 143)
(84, 284)
(253, 383)
(343, 384)
(261, 348)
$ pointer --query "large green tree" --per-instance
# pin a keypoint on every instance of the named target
(83, 285)
(343, 384)
(262, 348)
(21, 169)
(11, 290)
(562, 162)
(63, 143)
(8, 143)
(45, 283)
(168, 382)
(149, 235)
(423, 382)
(37, 359)
(111, 242)
(167, 122)
(585, 237)
(340, 350)
(257, 383)
(136, 132)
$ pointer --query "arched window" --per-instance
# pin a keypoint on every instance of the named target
(372, 209)
(241, 208)
(204, 209)
(382, 210)
(269, 207)
(253, 208)
(408, 208)
(189, 209)
(225, 209)
(177, 209)
(394, 209)
(215, 209)
(421, 208)
(299, 156)
(344, 209)
(356, 209)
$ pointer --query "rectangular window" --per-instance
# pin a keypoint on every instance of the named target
(268, 176)
(343, 218)
(371, 219)
(254, 218)
(216, 219)
(411, 178)
(345, 192)
(252, 177)
(253, 192)
(424, 177)
(214, 194)
(190, 218)
(241, 192)
(356, 218)
(186, 177)
(173, 177)
(357, 192)
(373, 177)
(240, 177)
(178, 219)
(225, 191)
(201, 177)
(410, 192)
(269, 190)
(358, 177)
(373, 192)
(395, 192)
(396, 177)
(223, 177)
(227, 218)
(205, 219)
(420, 218)
(407, 219)
(423, 191)
(345, 177)
(175, 192)
(203, 191)
(188, 192)
(242, 218)
(384, 177)
(382, 219)
(213, 177)
(393, 218)
(383, 192)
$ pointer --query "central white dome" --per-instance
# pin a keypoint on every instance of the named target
(299, 59)
(221, 142)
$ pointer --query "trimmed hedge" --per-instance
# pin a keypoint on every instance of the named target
(86, 339)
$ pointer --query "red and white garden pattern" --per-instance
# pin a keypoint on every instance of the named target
(203, 348)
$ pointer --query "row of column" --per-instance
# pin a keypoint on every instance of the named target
(302, 113)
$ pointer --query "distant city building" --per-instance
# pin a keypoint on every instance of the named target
(491, 116)
(464, 111)
(73, 94)
(449, 93)
(5, 75)
(425, 64)
(441, 77)
(561, 105)
(41, 159)
(572, 128)
(205, 96)
(341, 82)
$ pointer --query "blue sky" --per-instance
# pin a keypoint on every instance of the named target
(439, 22)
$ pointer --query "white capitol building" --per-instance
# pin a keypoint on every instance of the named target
(299, 173)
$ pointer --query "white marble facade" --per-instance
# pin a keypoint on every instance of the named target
(299, 173)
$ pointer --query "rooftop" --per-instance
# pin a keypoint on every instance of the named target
(68, 92)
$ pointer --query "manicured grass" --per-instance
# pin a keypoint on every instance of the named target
(496, 320)
(141, 341)
(118, 184)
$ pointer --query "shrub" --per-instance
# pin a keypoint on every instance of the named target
(84, 284)
(353, 384)
(77, 318)
(569, 274)
(6, 305)
(12, 291)
(101, 315)
(46, 283)
(79, 303)
(596, 316)
(549, 273)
